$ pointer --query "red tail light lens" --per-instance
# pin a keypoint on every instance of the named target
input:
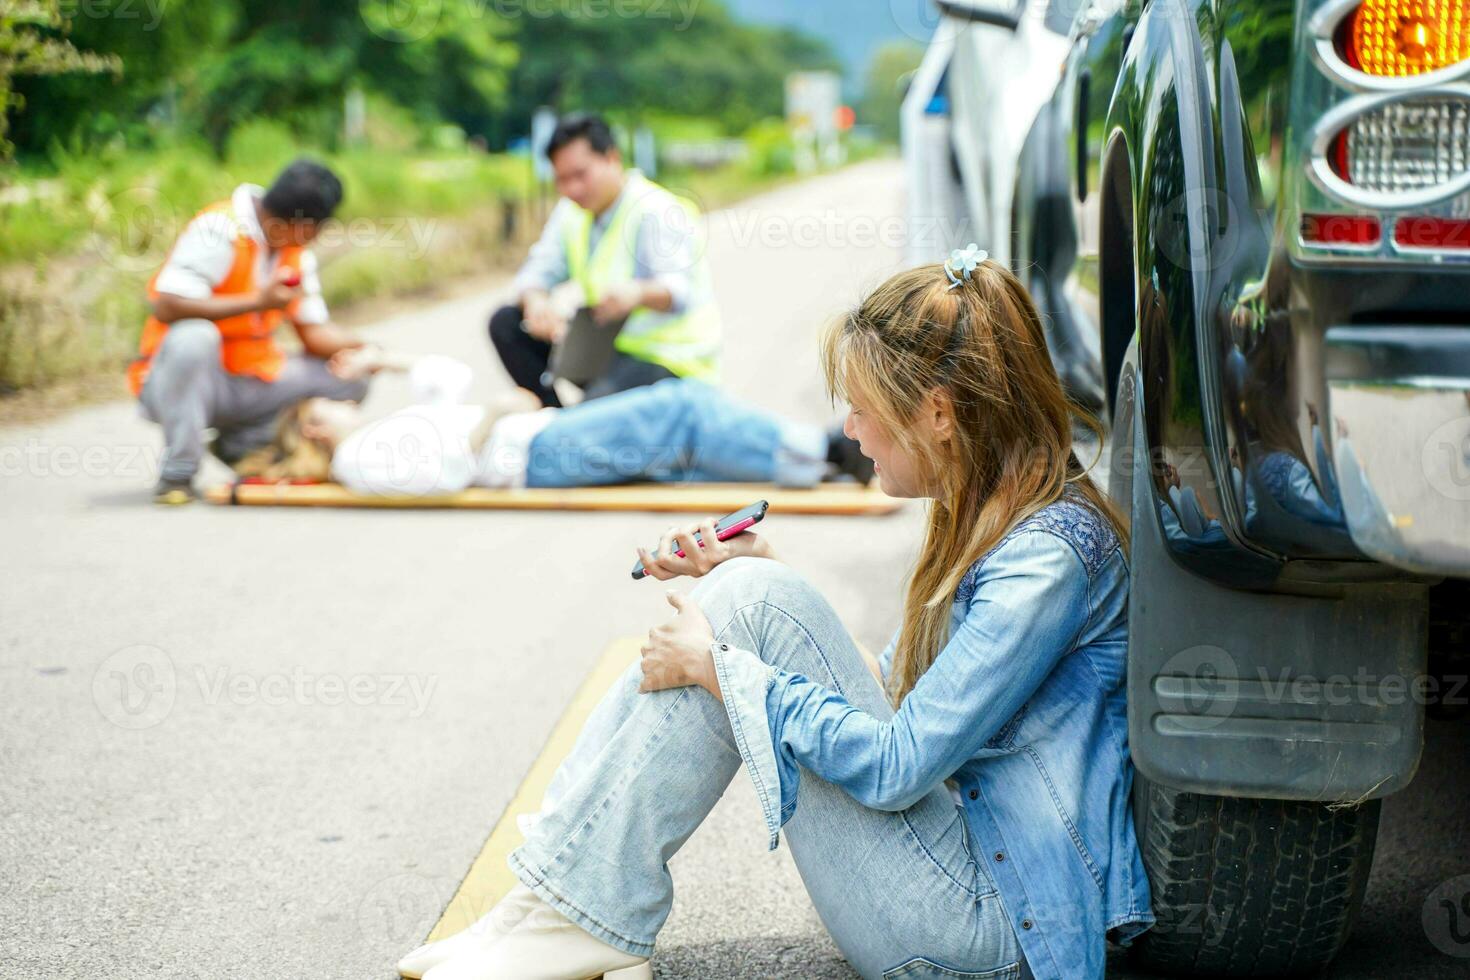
(1341, 229)
(1426, 232)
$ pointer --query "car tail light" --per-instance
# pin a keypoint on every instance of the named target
(1341, 229)
(1405, 145)
(1385, 142)
(1399, 38)
(1430, 232)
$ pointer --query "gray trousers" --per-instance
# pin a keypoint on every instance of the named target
(188, 390)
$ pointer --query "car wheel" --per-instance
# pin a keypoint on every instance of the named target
(1250, 887)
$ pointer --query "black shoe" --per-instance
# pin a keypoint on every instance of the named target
(173, 492)
(843, 453)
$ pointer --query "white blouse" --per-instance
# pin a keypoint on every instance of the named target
(425, 448)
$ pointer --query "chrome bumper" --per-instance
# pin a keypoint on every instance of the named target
(1399, 398)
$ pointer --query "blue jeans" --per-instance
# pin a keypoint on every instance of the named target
(674, 431)
(898, 891)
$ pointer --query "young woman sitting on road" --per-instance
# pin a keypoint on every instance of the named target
(968, 814)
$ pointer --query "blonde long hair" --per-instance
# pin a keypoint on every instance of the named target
(289, 455)
(1011, 451)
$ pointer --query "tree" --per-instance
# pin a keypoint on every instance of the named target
(31, 44)
(200, 69)
(652, 59)
(295, 62)
(203, 68)
(883, 90)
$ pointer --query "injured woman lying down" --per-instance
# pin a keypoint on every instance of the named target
(674, 431)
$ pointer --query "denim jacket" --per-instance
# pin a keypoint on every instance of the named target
(1024, 709)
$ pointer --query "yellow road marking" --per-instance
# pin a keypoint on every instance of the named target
(489, 877)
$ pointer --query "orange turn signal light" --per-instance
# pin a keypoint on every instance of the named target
(1401, 38)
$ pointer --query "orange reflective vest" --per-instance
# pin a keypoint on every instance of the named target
(249, 345)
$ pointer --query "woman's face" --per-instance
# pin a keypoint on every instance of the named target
(326, 421)
(899, 471)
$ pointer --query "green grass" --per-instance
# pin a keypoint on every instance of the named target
(81, 234)
(136, 202)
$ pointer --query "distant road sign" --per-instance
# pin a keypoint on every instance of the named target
(812, 100)
(543, 122)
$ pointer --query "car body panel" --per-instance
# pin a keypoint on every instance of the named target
(1290, 426)
(999, 81)
(1231, 316)
(996, 80)
(1261, 694)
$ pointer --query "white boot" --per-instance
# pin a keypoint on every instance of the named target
(484, 933)
(544, 945)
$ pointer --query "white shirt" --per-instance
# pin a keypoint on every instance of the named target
(665, 247)
(424, 449)
(205, 251)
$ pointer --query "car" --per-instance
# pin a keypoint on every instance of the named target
(976, 101)
(1258, 213)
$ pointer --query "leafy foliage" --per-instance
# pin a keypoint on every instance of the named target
(30, 45)
(204, 69)
(886, 83)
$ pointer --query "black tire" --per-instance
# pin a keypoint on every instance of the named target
(1246, 887)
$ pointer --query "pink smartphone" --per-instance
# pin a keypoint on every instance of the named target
(728, 526)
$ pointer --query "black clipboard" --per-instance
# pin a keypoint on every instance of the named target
(585, 350)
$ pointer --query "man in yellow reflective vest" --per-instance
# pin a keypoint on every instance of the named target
(634, 249)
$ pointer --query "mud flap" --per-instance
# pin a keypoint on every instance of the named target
(1238, 693)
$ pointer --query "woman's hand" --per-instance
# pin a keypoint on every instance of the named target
(677, 653)
(697, 561)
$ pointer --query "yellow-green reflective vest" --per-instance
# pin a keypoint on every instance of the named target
(686, 343)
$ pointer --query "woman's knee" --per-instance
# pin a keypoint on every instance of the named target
(745, 582)
(671, 397)
(746, 576)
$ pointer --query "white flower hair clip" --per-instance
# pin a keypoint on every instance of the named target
(962, 262)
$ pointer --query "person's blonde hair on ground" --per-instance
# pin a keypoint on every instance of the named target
(1011, 451)
(289, 455)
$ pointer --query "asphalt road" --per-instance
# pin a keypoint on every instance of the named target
(244, 743)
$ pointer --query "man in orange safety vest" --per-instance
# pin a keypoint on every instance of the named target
(208, 357)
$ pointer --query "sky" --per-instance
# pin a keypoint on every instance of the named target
(854, 28)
